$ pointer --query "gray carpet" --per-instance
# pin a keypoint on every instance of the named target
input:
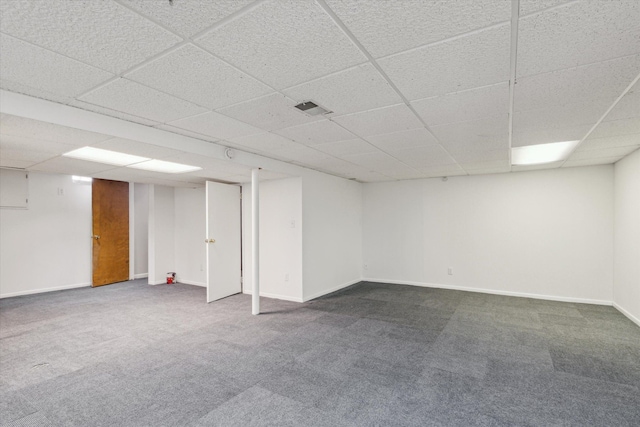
(371, 355)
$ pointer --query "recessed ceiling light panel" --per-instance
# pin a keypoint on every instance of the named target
(108, 157)
(165, 167)
(312, 109)
(542, 153)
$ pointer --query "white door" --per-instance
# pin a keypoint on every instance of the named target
(223, 240)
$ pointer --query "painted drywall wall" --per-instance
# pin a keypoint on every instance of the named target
(542, 233)
(280, 238)
(48, 246)
(161, 233)
(626, 271)
(189, 234)
(141, 230)
(331, 233)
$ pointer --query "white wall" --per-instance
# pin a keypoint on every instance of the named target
(141, 230)
(332, 233)
(626, 282)
(48, 246)
(190, 251)
(542, 233)
(280, 238)
(161, 233)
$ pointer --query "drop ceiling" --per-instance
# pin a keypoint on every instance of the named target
(417, 88)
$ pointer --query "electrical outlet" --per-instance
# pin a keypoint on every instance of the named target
(60, 191)
(450, 271)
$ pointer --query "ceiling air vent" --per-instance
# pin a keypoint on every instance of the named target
(312, 109)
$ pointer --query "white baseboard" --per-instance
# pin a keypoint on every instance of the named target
(141, 276)
(158, 282)
(275, 296)
(39, 291)
(191, 282)
(631, 317)
(328, 291)
(493, 291)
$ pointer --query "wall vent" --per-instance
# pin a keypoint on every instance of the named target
(312, 109)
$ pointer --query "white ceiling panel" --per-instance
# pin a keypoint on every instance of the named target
(133, 98)
(531, 6)
(576, 34)
(188, 133)
(423, 157)
(23, 156)
(284, 42)
(300, 154)
(37, 130)
(265, 142)
(100, 33)
(343, 148)
(602, 80)
(591, 162)
(465, 106)
(490, 133)
(41, 69)
(6, 162)
(474, 156)
(216, 125)
(616, 127)
(109, 112)
(603, 152)
(382, 120)
(69, 166)
(130, 175)
(337, 166)
(386, 27)
(20, 142)
(270, 112)
(541, 135)
(443, 170)
(30, 91)
(320, 132)
(407, 173)
(376, 160)
(194, 75)
(490, 170)
(188, 18)
(486, 164)
(403, 139)
(628, 107)
(137, 148)
(610, 142)
(356, 89)
(479, 59)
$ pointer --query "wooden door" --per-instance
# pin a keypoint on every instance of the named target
(110, 207)
(224, 273)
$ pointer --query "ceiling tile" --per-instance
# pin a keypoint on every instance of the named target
(591, 162)
(603, 152)
(531, 6)
(300, 154)
(474, 156)
(265, 142)
(146, 177)
(407, 173)
(479, 59)
(188, 133)
(41, 69)
(38, 130)
(557, 123)
(386, 27)
(486, 164)
(576, 34)
(490, 170)
(284, 43)
(443, 170)
(489, 133)
(132, 98)
(270, 112)
(216, 125)
(376, 160)
(616, 127)
(356, 89)
(30, 91)
(21, 142)
(610, 142)
(188, 18)
(6, 162)
(69, 166)
(109, 112)
(422, 157)
(194, 75)
(23, 156)
(628, 107)
(100, 33)
(337, 166)
(382, 120)
(464, 106)
(319, 132)
(137, 148)
(403, 139)
(343, 148)
(603, 80)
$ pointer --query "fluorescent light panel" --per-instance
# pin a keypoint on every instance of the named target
(109, 157)
(542, 153)
(166, 167)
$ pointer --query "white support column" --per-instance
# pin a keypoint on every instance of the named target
(255, 242)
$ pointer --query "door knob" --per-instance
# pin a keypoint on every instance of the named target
(209, 240)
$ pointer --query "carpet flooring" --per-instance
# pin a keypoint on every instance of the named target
(372, 354)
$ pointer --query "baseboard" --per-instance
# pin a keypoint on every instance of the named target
(158, 282)
(328, 291)
(40, 291)
(493, 291)
(141, 276)
(191, 282)
(274, 296)
(631, 317)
